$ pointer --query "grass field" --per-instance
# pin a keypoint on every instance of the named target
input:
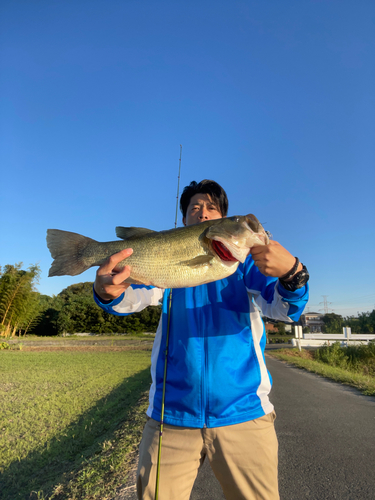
(64, 414)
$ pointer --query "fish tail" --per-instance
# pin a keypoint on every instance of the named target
(68, 251)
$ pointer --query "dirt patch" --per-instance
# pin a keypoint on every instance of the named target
(87, 348)
(129, 490)
(305, 354)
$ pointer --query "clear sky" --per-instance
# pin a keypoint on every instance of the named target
(273, 100)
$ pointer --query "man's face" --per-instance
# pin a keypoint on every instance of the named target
(200, 209)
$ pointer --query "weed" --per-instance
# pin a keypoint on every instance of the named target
(332, 355)
(355, 358)
(13, 347)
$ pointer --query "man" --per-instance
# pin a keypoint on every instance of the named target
(217, 385)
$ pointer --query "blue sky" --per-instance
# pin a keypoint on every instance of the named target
(273, 100)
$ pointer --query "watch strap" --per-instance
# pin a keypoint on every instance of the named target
(290, 273)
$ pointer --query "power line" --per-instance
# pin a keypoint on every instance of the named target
(354, 300)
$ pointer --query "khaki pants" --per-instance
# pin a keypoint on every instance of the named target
(243, 458)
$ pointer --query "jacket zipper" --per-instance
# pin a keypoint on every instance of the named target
(198, 295)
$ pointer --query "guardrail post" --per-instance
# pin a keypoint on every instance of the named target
(298, 335)
(296, 332)
(347, 331)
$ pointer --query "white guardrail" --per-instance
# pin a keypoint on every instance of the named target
(317, 339)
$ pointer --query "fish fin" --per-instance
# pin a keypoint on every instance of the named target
(201, 260)
(66, 250)
(128, 232)
(132, 281)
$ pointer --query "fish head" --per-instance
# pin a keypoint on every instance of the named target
(233, 237)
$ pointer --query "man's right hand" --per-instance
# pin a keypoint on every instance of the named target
(109, 283)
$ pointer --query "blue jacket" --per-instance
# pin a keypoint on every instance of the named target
(216, 372)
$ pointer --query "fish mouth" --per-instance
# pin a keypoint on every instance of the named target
(222, 251)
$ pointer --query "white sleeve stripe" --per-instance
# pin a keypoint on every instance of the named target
(154, 360)
(136, 299)
(264, 388)
(277, 309)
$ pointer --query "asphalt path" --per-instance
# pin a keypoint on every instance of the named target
(326, 437)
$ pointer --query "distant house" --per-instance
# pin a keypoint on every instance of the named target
(313, 320)
(270, 327)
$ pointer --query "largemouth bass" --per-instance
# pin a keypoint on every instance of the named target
(176, 258)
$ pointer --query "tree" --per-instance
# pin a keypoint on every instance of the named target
(363, 323)
(353, 323)
(333, 323)
(50, 310)
(78, 290)
(280, 327)
(74, 311)
(19, 303)
(81, 314)
(372, 320)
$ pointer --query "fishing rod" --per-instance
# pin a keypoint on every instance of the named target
(178, 187)
(166, 351)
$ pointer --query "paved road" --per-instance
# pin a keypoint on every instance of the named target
(326, 436)
(326, 440)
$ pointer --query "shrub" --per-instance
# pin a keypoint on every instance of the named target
(278, 341)
(332, 354)
(358, 358)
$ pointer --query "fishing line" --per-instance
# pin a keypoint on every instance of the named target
(166, 352)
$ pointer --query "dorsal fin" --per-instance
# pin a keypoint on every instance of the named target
(129, 232)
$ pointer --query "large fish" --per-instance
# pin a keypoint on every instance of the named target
(177, 258)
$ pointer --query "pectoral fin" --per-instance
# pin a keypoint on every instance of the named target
(132, 281)
(201, 260)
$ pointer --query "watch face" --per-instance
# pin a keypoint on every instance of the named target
(302, 277)
(298, 281)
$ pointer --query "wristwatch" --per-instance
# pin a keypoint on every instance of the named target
(298, 281)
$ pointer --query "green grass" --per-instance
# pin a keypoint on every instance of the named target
(275, 338)
(101, 474)
(336, 363)
(62, 412)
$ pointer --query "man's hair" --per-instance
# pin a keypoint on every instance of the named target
(212, 188)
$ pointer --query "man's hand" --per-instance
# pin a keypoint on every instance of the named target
(273, 259)
(109, 283)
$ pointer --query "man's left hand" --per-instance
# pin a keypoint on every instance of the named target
(273, 259)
